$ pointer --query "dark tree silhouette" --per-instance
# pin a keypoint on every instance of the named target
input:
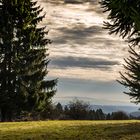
(23, 59)
(100, 115)
(131, 78)
(78, 110)
(119, 115)
(108, 116)
(124, 19)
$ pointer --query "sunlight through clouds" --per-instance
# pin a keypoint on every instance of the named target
(81, 48)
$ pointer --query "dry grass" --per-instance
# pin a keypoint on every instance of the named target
(70, 130)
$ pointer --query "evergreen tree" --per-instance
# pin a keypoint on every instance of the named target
(119, 115)
(91, 115)
(124, 19)
(23, 59)
(59, 108)
(66, 109)
(108, 116)
(131, 78)
(100, 115)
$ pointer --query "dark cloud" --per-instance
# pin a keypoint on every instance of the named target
(77, 34)
(94, 2)
(82, 30)
(81, 35)
(71, 62)
(55, 2)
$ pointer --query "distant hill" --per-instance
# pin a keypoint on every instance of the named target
(107, 106)
(112, 108)
(135, 114)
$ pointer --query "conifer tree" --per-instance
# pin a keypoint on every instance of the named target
(131, 77)
(124, 19)
(23, 58)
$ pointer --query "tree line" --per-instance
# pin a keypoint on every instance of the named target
(79, 110)
(74, 110)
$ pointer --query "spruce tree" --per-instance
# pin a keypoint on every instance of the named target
(124, 19)
(23, 59)
(131, 78)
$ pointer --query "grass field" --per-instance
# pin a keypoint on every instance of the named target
(71, 130)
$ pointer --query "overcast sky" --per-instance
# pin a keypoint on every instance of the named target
(84, 57)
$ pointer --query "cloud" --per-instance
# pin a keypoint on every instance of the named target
(84, 68)
(79, 34)
(83, 51)
(84, 74)
(81, 62)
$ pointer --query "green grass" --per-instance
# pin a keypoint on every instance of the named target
(71, 130)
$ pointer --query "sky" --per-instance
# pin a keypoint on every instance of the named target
(84, 57)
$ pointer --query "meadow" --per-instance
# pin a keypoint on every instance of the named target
(70, 130)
